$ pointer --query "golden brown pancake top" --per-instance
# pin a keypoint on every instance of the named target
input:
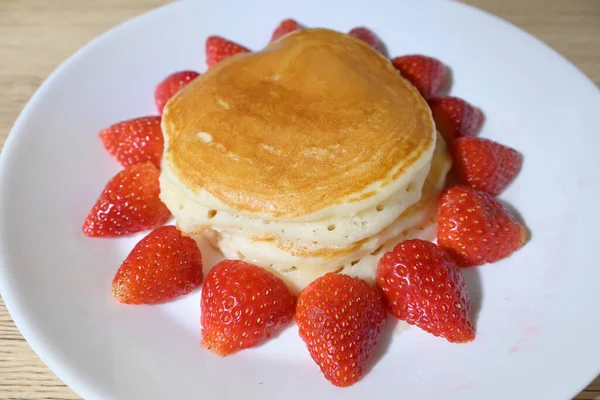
(308, 122)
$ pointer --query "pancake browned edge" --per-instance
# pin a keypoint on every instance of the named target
(301, 143)
(418, 221)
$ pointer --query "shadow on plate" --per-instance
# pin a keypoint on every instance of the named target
(449, 81)
(388, 332)
(473, 280)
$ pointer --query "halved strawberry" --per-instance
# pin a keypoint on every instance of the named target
(163, 265)
(484, 164)
(427, 74)
(367, 36)
(218, 49)
(171, 85)
(135, 141)
(455, 117)
(340, 318)
(474, 228)
(424, 288)
(285, 27)
(129, 203)
(242, 305)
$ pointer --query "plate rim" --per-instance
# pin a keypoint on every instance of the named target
(50, 355)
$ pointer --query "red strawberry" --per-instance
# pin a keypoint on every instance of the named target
(135, 141)
(286, 26)
(171, 85)
(367, 36)
(455, 117)
(424, 288)
(128, 204)
(242, 305)
(340, 318)
(427, 74)
(162, 266)
(218, 49)
(474, 228)
(484, 164)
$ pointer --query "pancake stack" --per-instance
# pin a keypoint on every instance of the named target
(313, 155)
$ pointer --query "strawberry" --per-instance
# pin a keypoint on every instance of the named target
(424, 288)
(162, 266)
(484, 164)
(455, 117)
(340, 318)
(474, 228)
(242, 305)
(171, 85)
(128, 204)
(427, 74)
(367, 36)
(286, 26)
(135, 141)
(218, 49)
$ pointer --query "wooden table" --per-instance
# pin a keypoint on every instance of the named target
(36, 35)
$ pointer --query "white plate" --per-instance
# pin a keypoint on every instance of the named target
(538, 319)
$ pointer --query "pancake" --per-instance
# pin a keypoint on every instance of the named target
(342, 232)
(315, 126)
(313, 155)
(315, 253)
(297, 270)
(362, 264)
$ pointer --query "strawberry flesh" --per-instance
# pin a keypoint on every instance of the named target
(367, 36)
(242, 305)
(484, 164)
(340, 319)
(285, 27)
(455, 117)
(425, 288)
(475, 228)
(162, 266)
(171, 85)
(128, 204)
(135, 141)
(218, 49)
(427, 74)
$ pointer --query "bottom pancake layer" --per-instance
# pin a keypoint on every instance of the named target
(298, 269)
(363, 264)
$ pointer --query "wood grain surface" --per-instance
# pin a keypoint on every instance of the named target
(36, 35)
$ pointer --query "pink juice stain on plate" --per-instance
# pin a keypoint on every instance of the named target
(528, 333)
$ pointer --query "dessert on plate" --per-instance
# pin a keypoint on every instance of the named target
(318, 166)
(310, 156)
